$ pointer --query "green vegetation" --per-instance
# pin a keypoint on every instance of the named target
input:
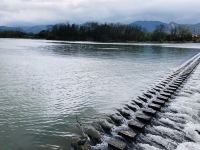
(12, 34)
(114, 33)
(108, 33)
(94, 32)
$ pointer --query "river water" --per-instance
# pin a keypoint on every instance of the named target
(44, 85)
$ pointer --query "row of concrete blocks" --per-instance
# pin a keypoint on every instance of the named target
(166, 89)
(139, 123)
(149, 104)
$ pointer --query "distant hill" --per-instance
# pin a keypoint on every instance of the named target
(5, 28)
(26, 29)
(150, 26)
(35, 29)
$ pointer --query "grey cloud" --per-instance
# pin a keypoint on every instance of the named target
(54, 11)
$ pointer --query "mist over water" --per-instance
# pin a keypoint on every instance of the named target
(45, 84)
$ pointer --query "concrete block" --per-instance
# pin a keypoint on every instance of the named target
(144, 118)
(152, 92)
(165, 94)
(136, 125)
(137, 102)
(116, 119)
(94, 135)
(148, 95)
(159, 102)
(149, 111)
(142, 98)
(115, 144)
(157, 89)
(155, 106)
(160, 87)
(162, 84)
(169, 91)
(130, 135)
(160, 97)
(107, 127)
(176, 84)
(132, 107)
(124, 113)
(173, 86)
(172, 89)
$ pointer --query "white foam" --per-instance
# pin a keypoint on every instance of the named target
(191, 131)
(167, 143)
(168, 131)
(168, 121)
(109, 48)
(188, 146)
(148, 147)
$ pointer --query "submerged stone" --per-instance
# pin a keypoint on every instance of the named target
(144, 118)
(154, 106)
(160, 87)
(79, 143)
(142, 98)
(107, 127)
(116, 119)
(166, 94)
(148, 95)
(159, 102)
(132, 107)
(176, 84)
(173, 86)
(149, 112)
(163, 98)
(165, 82)
(94, 135)
(162, 84)
(126, 108)
(130, 135)
(157, 89)
(124, 113)
(115, 144)
(137, 102)
(169, 91)
(152, 92)
(136, 125)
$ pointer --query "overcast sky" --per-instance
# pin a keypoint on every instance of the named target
(32, 12)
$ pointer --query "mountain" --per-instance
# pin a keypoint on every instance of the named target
(35, 29)
(26, 29)
(150, 26)
(5, 28)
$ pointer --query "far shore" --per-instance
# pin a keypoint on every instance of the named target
(108, 43)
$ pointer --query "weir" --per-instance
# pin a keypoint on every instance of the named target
(119, 130)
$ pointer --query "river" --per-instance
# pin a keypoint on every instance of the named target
(44, 85)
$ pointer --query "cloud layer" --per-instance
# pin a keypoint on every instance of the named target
(18, 12)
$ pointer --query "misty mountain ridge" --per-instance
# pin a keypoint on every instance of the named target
(149, 26)
(27, 29)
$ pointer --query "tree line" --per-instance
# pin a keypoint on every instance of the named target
(115, 33)
(108, 32)
(11, 34)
